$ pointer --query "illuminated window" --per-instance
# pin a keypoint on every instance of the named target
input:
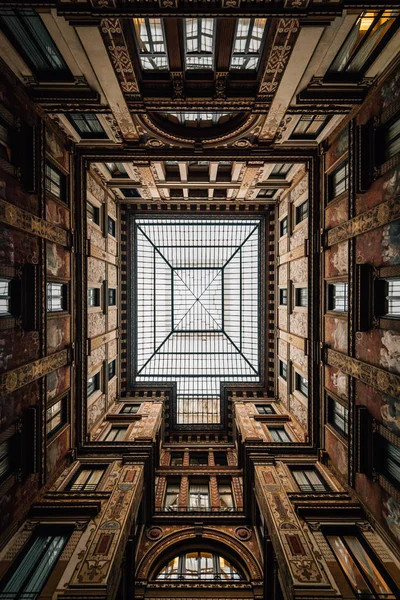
(338, 416)
(247, 44)
(28, 34)
(198, 119)
(55, 416)
(309, 126)
(199, 565)
(151, 45)
(387, 297)
(87, 125)
(309, 479)
(5, 297)
(171, 500)
(368, 36)
(338, 296)
(56, 297)
(87, 479)
(365, 574)
(199, 43)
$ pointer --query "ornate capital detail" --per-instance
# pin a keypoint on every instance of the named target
(177, 85)
(220, 85)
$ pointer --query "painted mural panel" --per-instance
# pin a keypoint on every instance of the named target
(56, 147)
(112, 276)
(18, 347)
(17, 247)
(338, 147)
(13, 405)
(96, 410)
(56, 451)
(298, 323)
(336, 260)
(299, 410)
(283, 275)
(379, 347)
(336, 213)
(298, 236)
(112, 319)
(58, 261)
(112, 348)
(298, 358)
(380, 246)
(336, 330)
(282, 390)
(282, 348)
(58, 333)
(96, 324)
(96, 358)
(96, 236)
(112, 246)
(12, 191)
(299, 270)
(57, 214)
(58, 382)
(337, 451)
(96, 270)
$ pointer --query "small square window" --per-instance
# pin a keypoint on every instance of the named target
(88, 126)
(176, 459)
(283, 296)
(338, 296)
(55, 417)
(55, 182)
(283, 226)
(112, 296)
(116, 434)
(301, 296)
(130, 409)
(265, 409)
(387, 297)
(111, 369)
(111, 226)
(301, 384)
(283, 370)
(93, 296)
(93, 384)
(93, 213)
(56, 297)
(5, 297)
(199, 458)
(339, 181)
(301, 212)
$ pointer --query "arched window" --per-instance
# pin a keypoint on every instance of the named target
(199, 565)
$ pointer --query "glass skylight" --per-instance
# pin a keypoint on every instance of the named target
(247, 44)
(197, 295)
(199, 43)
(199, 119)
(151, 44)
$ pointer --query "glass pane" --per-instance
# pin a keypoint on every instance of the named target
(348, 565)
(191, 565)
(366, 564)
(206, 565)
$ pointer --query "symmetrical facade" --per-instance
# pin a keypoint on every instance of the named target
(199, 299)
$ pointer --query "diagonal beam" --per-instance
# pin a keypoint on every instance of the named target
(154, 246)
(155, 352)
(240, 352)
(240, 247)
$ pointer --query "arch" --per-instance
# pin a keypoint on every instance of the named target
(211, 540)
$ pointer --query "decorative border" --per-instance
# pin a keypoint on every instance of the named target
(17, 378)
(21, 219)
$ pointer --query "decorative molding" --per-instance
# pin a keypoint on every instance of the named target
(376, 217)
(21, 219)
(17, 378)
(299, 252)
(293, 340)
(102, 339)
(96, 252)
(385, 382)
(118, 52)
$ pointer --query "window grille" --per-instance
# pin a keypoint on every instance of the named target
(150, 40)
(338, 416)
(279, 434)
(247, 44)
(87, 479)
(199, 43)
(56, 293)
(309, 479)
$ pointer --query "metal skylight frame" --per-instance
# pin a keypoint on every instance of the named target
(247, 44)
(216, 265)
(199, 43)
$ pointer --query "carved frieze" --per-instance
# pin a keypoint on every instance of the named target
(17, 378)
(21, 219)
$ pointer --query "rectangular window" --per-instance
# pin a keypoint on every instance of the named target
(279, 434)
(199, 43)
(339, 181)
(367, 37)
(55, 416)
(130, 409)
(301, 384)
(55, 182)
(247, 44)
(220, 459)
(87, 479)
(93, 384)
(338, 296)
(367, 578)
(56, 297)
(392, 138)
(111, 369)
(226, 500)
(387, 297)
(176, 459)
(27, 32)
(93, 213)
(150, 41)
(338, 416)
(283, 226)
(309, 126)
(199, 458)
(199, 496)
(6, 461)
(171, 500)
(301, 212)
(283, 370)
(390, 462)
(280, 170)
(265, 409)
(116, 434)
(93, 298)
(283, 296)
(301, 296)
(112, 296)
(5, 297)
(111, 226)
(309, 479)
(88, 126)
(33, 566)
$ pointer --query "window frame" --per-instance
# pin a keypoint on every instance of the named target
(246, 54)
(112, 227)
(301, 213)
(63, 295)
(301, 384)
(279, 428)
(217, 575)
(263, 411)
(88, 119)
(113, 372)
(62, 411)
(96, 384)
(176, 455)
(50, 168)
(150, 55)
(283, 370)
(6, 297)
(311, 120)
(333, 194)
(171, 482)
(332, 402)
(283, 298)
(199, 505)
(228, 483)
(200, 54)
(113, 428)
(93, 213)
(301, 297)
(195, 455)
(312, 488)
(128, 409)
(93, 297)
(332, 297)
(112, 296)
(72, 485)
(283, 227)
